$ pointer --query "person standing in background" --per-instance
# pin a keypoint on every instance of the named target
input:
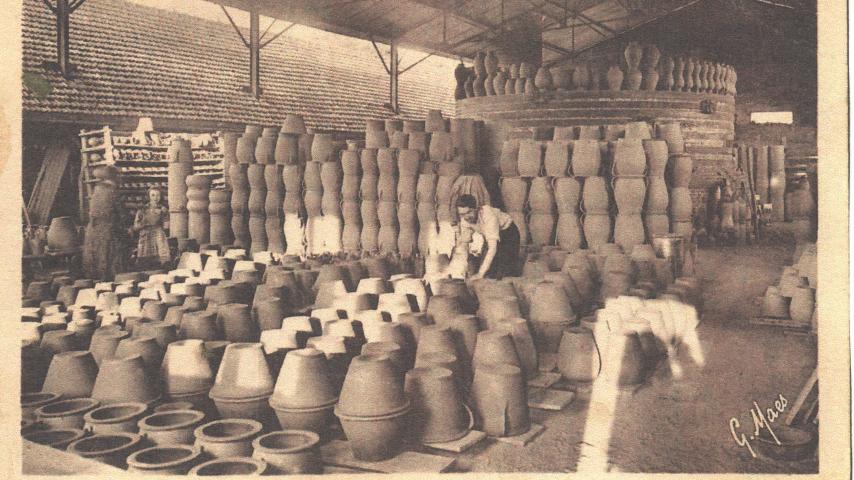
(500, 235)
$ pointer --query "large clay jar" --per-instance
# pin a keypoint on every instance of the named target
(628, 231)
(615, 78)
(243, 383)
(578, 355)
(681, 169)
(597, 229)
(586, 158)
(500, 400)
(530, 159)
(656, 157)
(671, 132)
(567, 194)
(438, 412)
(543, 79)
(629, 158)
(657, 197)
(629, 194)
(125, 379)
(681, 207)
(568, 232)
(594, 194)
(289, 452)
(372, 407)
(198, 202)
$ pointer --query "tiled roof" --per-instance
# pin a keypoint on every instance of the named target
(139, 61)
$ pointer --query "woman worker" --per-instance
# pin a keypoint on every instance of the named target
(500, 235)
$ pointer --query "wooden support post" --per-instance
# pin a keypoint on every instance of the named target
(254, 53)
(394, 76)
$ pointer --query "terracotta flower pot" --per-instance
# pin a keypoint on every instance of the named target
(174, 427)
(436, 338)
(228, 437)
(289, 451)
(231, 466)
(125, 379)
(58, 341)
(578, 355)
(523, 343)
(71, 374)
(30, 402)
(115, 418)
(443, 308)
(438, 413)
(493, 309)
(164, 460)
(186, 371)
(201, 325)
(58, 439)
(66, 413)
(305, 392)
(373, 387)
(374, 438)
(500, 400)
(112, 449)
(236, 322)
(495, 346)
(243, 382)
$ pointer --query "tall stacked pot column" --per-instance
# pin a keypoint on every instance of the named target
(448, 166)
(291, 155)
(351, 168)
(199, 218)
(387, 199)
(180, 167)
(239, 177)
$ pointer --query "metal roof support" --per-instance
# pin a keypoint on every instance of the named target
(63, 10)
(394, 76)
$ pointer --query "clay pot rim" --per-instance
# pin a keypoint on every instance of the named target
(256, 427)
(46, 398)
(132, 439)
(260, 465)
(397, 412)
(462, 433)
(85, 403)
(140, 409)
(218, 397)
(195, 417)
(193, 453)
(77, 435)
(281, 408)
(312, 440)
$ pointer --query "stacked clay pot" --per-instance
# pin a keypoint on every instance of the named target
(369, 195)
(219, 208)
(408, 168)
(198, 202)
(351, 169)
(180, 156)
(443, 161)
(313, 201)
(274, 213)
(291, 152)
(541, 219)
(257, 212)
(629, 184)
(681, 205)
(239, 177)
(657, 200)
(387, 200)
(514, 188)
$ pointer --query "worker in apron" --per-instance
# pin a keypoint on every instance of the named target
(496, 231)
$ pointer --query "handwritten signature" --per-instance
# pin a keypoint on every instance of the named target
(762, 420)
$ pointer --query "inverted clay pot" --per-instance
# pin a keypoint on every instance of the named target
(171, 427)
(438, 414)
(201, 325)
(117, 417)
(164, 460)
(146, 347)
(373, 387)
(436, 338)
(125, 379)
(578, 355)
(185, 370)
(500, 400)
(305, 391)
(227, 438)
(289, 452)
(71, 374)
(243, 383)
(58, 341)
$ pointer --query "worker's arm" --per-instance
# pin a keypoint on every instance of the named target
(491, 247)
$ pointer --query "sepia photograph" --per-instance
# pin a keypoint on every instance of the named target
(278, 237)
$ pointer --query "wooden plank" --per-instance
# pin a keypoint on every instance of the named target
(810, 387)
(460, 445)
(548, 399)
(525, 438)
(47, 183)
(338, 453)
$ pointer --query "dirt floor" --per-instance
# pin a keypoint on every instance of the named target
(684, 426)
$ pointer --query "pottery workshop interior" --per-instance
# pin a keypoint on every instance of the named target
(267, 237)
